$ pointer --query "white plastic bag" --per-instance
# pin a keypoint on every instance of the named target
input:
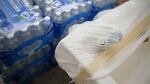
(81, 46)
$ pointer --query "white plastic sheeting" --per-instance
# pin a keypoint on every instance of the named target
(135, 70)
(88, 40)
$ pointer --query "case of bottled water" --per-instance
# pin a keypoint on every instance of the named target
(70, 13)
(25, 47)
(25, 41)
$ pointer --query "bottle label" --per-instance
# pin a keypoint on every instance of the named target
(14, 5)
(15, 10)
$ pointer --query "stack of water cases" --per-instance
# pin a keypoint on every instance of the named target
(65, 13)
(31, 29)
(69, 13)
(25, 41)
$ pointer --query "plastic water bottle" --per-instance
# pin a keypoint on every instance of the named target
(48, 3)
(3, 20)
(39, 27)
(40, 2)
(30, 50)
(45, 24)
(48, 11)
(66, 14)
(15, 10)
(14, 42)
(1, 44)
(83, 7)
(39, 30)
(75, 10)
(28, 3)
(50, 6)
(57, 16)
(8, 43)
(34, 29)
(18, 37)
(42, 52)
(2, 35)
(22, 35)
(37, 16)
(36, 11)
(56, 3)
(17, 40)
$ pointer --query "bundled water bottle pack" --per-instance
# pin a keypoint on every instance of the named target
(31, 29)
